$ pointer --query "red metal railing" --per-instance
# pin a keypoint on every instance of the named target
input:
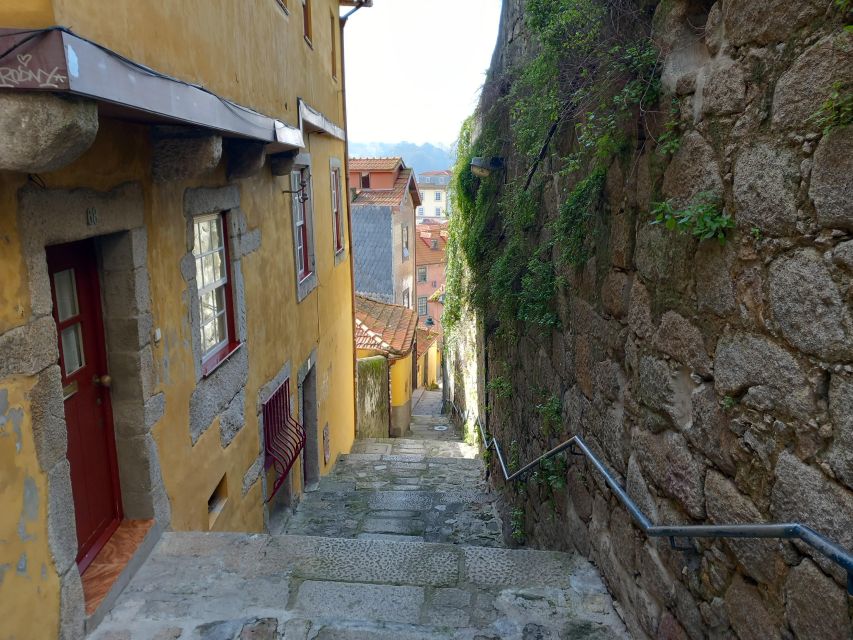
(284, 437)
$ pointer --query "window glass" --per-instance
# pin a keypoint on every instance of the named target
(438, 196)
(66, 294)
(301, 205)
(212, 281)
(306, 19)
(422, 274)
(72, 348)
(422, 306)
(337, 216)
(405, 240)
(407, 300)
(334, 51)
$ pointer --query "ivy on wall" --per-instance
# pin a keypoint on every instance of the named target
(593, 72)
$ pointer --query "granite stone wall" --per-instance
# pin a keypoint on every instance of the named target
(716, 381)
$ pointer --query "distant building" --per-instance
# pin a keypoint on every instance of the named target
(434, 188)
(388, 330)
(384, 196)
(431, 273)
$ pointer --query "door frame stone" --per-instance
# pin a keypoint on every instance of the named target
(115, 219)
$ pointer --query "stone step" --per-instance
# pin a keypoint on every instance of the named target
(209, 585)
(407, 446)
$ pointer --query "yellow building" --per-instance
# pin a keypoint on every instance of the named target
(429, 359)
(388, 330)
(434, 188)
(176, 318)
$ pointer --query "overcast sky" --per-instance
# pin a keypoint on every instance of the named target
(415, 67)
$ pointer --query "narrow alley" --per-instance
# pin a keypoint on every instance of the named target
(400, 542)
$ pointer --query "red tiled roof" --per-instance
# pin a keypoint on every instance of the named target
(393, 197)
(426, 234)
(375, 164)
(384, 327)
(425, 340)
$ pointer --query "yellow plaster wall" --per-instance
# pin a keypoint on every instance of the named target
(429, 360)
(186, 39)
(28, 579)
(28, 13)
(14, 296)
(401, 381)
(249, 51)
(279, 329)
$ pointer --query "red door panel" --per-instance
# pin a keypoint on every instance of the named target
(88, 416)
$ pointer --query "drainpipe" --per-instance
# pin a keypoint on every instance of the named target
(343, 23)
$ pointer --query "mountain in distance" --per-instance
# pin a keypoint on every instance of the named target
(420, 157)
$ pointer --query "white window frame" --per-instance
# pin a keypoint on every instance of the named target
(422, 311)
(422, 270)
(303, 218)
(222, 283)
(438, 196)
(337, 209)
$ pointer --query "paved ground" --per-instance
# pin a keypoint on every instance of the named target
(400, 542)
(428, 489)
(426, 403)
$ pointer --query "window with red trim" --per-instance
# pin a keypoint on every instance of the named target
(216, 304)
(337, 215)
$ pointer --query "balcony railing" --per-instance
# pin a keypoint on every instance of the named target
(284, 437)
(576, 446)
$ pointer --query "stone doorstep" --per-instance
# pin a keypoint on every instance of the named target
(143, 551)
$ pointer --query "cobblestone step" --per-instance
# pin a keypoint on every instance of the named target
(230, 586)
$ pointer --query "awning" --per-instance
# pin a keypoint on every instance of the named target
(59, 61)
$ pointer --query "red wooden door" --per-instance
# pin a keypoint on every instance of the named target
(88, 415)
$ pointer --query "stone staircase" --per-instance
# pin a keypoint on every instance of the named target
(400, 542)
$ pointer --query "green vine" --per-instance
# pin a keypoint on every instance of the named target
(501, 387)
(703, 217)
(550, 412)
(837, 110)
(516, 523)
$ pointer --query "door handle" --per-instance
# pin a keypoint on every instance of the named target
(103, 381)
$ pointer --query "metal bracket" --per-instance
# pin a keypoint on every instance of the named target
(676, 547)
(573, 449)
(301, 193)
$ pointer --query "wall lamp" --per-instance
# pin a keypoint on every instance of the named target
(483, 167)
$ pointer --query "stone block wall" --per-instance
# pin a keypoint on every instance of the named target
(715, 380)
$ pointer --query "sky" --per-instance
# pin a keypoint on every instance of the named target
(414, 68)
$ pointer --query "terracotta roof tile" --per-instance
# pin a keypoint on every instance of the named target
(375, 164)
(425, 254)
(425, 340)
(384, 327)
(392, 197)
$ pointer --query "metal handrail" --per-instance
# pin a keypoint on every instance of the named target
(787, 531)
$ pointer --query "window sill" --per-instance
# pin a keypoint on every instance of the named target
(218, 359)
